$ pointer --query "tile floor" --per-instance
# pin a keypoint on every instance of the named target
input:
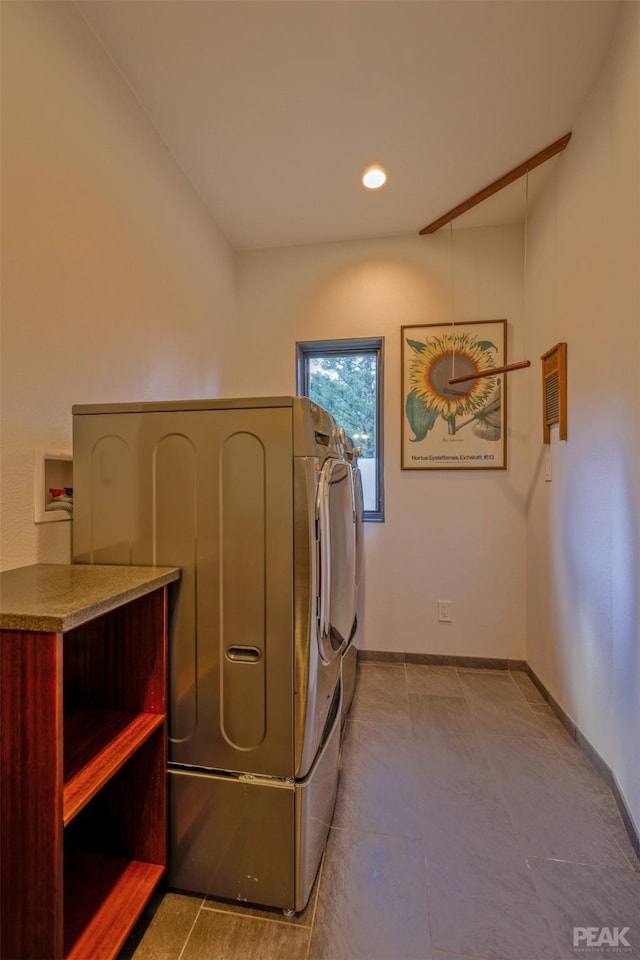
(468, 825)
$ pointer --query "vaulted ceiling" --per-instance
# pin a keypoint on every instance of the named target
(273, 108)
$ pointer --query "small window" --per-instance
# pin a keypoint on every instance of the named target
(345, 377)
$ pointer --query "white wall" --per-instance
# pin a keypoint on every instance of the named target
(116, 285)
(583, 555)
(453, 535)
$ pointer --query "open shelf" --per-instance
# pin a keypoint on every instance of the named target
(83, 760)
(104, 898)
(96, 744)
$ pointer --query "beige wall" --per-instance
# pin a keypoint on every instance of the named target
(583, 554)
(456, 536)
(116, 285)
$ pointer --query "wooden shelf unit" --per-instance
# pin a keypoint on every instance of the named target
(84, 795)
(96, 744)
(107, 896)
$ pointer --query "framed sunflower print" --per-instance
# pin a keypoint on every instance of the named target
(453, 426)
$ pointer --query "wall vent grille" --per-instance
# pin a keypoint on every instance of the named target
(554, 391)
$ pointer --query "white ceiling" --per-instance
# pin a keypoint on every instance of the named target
(273, 107)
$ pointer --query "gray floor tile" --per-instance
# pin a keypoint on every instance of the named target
(302, 919)
(552, 816)
(226, 936)
(575, 895)
(582, 769)
(454, 781)
(372, 903)
(486, 906)
(607, 809)
(465, 825)
(526, 686)
(377, 789)
(499, 707)
(482, 900)
(541, 707)
(440, 955)
(447, 747)
(443, 725)
(381, 694)
(434, 680)
(163, 928)
(426, 859)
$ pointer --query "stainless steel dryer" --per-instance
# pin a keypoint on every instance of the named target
(252, 499)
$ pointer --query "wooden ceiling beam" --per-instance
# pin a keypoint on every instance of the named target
(515, 174)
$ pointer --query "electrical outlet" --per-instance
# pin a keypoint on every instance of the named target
(445, 611)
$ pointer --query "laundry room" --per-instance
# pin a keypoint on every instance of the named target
(182, 209)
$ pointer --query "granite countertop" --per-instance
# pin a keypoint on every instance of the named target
(54, 597)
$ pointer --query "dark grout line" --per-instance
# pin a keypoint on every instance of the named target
(188, 937)
(315, 905)
(376, 833)
(248, 916)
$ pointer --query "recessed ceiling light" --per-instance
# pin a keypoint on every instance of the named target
(374, 177)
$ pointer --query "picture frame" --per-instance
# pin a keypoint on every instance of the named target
(458, 426)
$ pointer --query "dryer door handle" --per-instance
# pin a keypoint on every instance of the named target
(324, 565)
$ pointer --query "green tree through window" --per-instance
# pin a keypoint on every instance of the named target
(345, 377)
(347, 387)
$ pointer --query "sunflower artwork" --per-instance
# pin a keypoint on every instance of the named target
(460, 425)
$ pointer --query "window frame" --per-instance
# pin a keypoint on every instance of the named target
(309, 349)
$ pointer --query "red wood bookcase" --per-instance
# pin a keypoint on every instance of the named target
(83, 792)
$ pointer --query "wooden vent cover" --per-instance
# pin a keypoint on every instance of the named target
(554, 391)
